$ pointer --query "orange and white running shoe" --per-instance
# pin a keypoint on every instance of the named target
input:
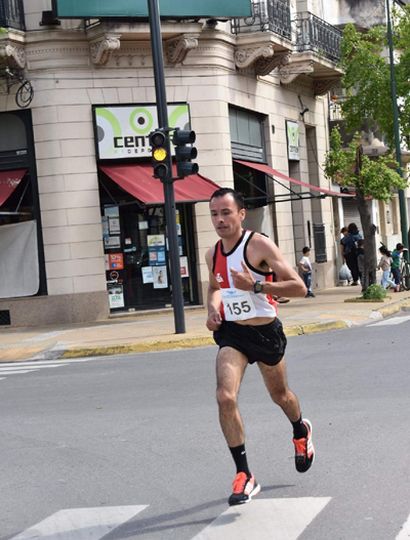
(244, 487)
(304, 450)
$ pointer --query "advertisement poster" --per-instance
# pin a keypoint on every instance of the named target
(147, 275)
(115, 296)
(159, 274)
(156, 249)
(111, 242)
(183, 264)
(116, 261)
(114, 225)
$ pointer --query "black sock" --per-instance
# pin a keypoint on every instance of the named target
(299, 429)
(239, 456)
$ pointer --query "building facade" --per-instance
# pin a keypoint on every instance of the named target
(82, 227)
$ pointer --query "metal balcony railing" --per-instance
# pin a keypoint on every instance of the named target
(315, 34)
(12, 14)
(267, 15)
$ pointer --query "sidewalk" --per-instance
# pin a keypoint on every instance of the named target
(150, 331)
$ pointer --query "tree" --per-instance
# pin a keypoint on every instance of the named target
(371, 179)
(368, 105)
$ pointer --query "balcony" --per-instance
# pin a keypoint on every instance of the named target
(12, 14)
(263, 41)
(316, 35)
(268, 15)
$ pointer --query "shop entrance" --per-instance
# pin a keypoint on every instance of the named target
(137, 261)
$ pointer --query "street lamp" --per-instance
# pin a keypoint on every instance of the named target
(396, 125)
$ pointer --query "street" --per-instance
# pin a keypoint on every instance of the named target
(130, 447)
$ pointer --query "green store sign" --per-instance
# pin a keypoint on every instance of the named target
(95, 9)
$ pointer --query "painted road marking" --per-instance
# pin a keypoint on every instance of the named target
(18, 371)
(391, 322)
(44, 362)
(17, 367)
(81, 523)
(404, 533)
(265, 519)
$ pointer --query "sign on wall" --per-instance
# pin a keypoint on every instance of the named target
(292, 135)
(95, 9)
(122, 131)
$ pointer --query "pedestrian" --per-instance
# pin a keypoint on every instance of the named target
(360, 261)
(305, 267)
(385, 266)
(245, 270)
(395, 265)
(349, 250)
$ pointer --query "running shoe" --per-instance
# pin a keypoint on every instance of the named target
(244, 487)
(304, 450)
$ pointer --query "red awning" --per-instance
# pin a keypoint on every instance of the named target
(137, 180)
(276, 174)
(9, 180)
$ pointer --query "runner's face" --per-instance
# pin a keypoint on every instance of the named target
(226, 216)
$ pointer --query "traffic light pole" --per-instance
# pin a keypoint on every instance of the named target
(169, 196)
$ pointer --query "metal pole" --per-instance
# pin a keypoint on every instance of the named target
(402, 199)
(169, 197)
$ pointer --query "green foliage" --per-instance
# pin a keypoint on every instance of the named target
(377, 178)
(374, 292)
(366, 77)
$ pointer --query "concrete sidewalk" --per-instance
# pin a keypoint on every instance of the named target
(150, 331)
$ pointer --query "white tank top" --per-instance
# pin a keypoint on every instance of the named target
(237, 304)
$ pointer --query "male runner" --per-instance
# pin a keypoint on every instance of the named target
(246, 270)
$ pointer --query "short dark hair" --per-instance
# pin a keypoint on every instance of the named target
(399, 246)
(306, 249)
(237, 196)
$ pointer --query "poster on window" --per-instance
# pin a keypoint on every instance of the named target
(115, 261)
(156, 249)
(292, 134)
(115, 295)
(147, 275)
(159, 274)
(183, 264)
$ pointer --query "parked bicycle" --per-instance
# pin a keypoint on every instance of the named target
(404, 274)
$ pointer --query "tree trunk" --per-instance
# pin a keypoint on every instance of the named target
(369, 232)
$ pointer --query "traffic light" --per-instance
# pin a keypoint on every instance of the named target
(184, 152)
(159, 151)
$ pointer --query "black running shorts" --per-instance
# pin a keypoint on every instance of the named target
(265, 343)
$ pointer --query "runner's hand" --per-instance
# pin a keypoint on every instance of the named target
(214, 321)
(242, 280)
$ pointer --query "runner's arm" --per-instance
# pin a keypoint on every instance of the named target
(214, 299)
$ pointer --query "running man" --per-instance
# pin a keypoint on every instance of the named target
(246, 270)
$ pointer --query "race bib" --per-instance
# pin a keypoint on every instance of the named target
(238, 305)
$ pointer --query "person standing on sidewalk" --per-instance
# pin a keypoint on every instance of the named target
(395, 265)
(385, 266)
(305, 267)
(246, 269)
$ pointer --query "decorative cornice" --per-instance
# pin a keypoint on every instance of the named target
(176, 49)
(14, 54)
(263, 59)
(101, 49)
(294, 69)
(323, 86)
(264, 66)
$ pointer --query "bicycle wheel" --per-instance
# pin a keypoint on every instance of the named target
(405, 276)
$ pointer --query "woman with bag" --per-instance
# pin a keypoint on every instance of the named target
(349, 249)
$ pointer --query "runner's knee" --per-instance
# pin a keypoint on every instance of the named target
(226, 398)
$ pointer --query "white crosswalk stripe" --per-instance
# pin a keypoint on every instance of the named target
(391, 322)
(265, 519)
(19, 368)
(81, 523)
(404, 534)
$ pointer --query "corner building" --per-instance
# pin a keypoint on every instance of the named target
(82, 226)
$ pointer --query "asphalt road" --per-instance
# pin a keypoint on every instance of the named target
(132, 445)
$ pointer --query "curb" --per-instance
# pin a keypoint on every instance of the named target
(187, 343)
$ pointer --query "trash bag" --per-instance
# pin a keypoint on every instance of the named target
(344, 273)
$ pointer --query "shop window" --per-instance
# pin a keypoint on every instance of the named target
(247, 140)
(136, 251)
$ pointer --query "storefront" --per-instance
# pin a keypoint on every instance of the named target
(22, 261)
(132, 210)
